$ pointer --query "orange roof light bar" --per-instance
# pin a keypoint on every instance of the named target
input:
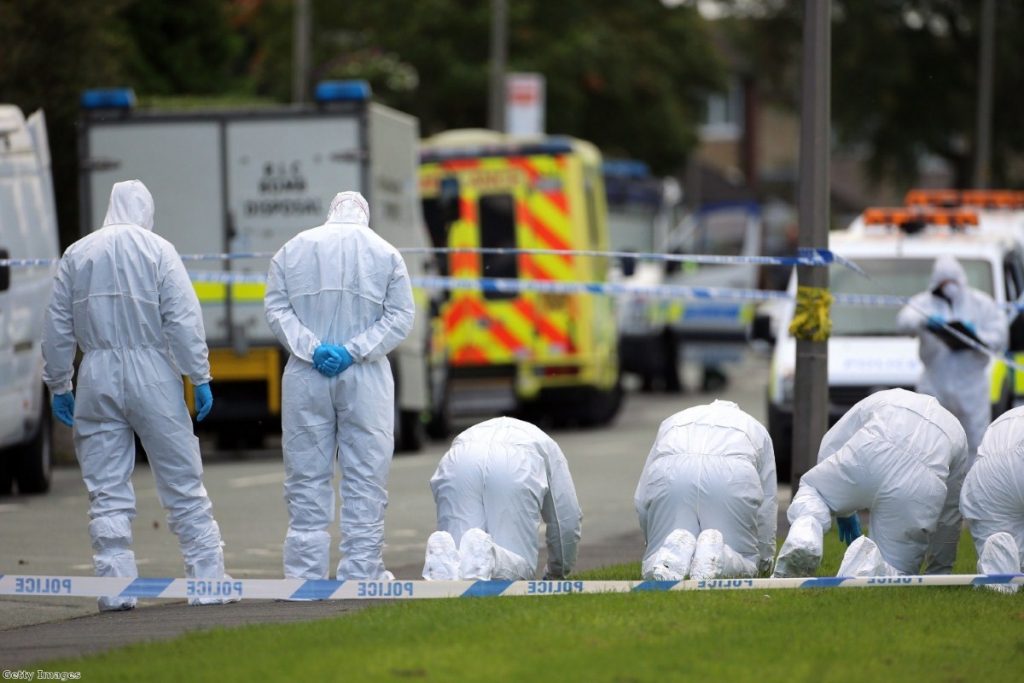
(982, 199)
(903, 215)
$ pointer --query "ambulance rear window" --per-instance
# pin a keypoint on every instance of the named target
(498, 231)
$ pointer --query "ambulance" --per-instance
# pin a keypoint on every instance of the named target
(497, 352)
(866, 351)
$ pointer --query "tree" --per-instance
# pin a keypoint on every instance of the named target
(904, 79)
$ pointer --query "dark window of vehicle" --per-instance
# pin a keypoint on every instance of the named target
(434, 218)
(498, 231)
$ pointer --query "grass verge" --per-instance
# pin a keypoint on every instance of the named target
(891, 634)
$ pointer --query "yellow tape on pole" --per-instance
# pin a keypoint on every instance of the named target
(811, 321)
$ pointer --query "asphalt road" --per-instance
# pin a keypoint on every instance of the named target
(48, 534)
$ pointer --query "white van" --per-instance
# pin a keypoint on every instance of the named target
(866, 350)
(28, 230)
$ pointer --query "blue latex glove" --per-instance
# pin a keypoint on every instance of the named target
(935, 322)
(63, 406)
(849, 528)
(971, 328)
(204, 400)
(331, 360)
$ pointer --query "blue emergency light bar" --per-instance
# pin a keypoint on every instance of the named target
(342, 91)
(108, 98)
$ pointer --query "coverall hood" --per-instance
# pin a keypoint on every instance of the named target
(349, 207)
(947, 268)
(130, 204)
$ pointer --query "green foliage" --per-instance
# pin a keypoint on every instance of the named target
(904, 78)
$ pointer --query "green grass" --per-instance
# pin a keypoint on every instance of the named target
(863, 635)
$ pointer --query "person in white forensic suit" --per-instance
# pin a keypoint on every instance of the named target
(958, 378)
(992, 500)
(339, 300)
(903, 457)
(496, 484)
(707, 496)
(123, 297)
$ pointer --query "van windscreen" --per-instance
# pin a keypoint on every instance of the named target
(498, 231)
(891, 276)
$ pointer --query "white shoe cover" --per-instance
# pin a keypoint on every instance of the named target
(386, 576)
(1000, 555)
(476, 556)
(442, 561)
(707, 559)
(671, 561)
(801, 552)
(195, 602)
(863, 558)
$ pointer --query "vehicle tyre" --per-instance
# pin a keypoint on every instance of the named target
(6, 473)
(439, 426)
(780, 429)
(33, 461)
(411, 430)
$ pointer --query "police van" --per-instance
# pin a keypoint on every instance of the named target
(28, 230)
(866, 351)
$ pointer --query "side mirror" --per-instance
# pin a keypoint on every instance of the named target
(1017, 333)
(5, 272)
(761, 328)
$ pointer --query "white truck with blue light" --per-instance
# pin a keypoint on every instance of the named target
(244, 181)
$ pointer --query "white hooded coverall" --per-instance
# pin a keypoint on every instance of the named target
(957, 378)
(992, 500)
(504, 476)
(712, 467)
(122, 295)
(339, 283)
(902, 456)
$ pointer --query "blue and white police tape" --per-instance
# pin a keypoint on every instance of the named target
(804, 257)
(327, 589)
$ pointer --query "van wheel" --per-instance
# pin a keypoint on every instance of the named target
(412, 433)
(6, 473)
(33, 461)
(780, 430)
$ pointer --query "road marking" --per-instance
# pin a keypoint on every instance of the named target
(256, 480)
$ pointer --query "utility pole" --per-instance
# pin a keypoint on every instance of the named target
(810, 389)
(499, 57)
(300, 52)
(986, 67)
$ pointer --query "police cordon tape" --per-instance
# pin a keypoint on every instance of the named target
(327, 589)
(805, 256)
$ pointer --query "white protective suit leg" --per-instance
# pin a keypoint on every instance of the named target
(671, 561)
(1000, 555)
(498, 494)
(442, 559)
(863, 558)
(714, 559)
(309, 444)
(802, 550)
(105, 448)
(364, 400)
(174, 457)
(992, 499)
(697, 493)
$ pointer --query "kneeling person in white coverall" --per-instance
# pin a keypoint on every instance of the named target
(339, 299)
(992, 500)
(122, 295)
(707, 496)
(902, 456)
(493, 487)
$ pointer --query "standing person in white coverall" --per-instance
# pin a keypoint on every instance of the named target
(707, 496)
(122, 295)
(902, 456)
(493, 487)
(992, 500)
(957, 378)
(339, 299)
